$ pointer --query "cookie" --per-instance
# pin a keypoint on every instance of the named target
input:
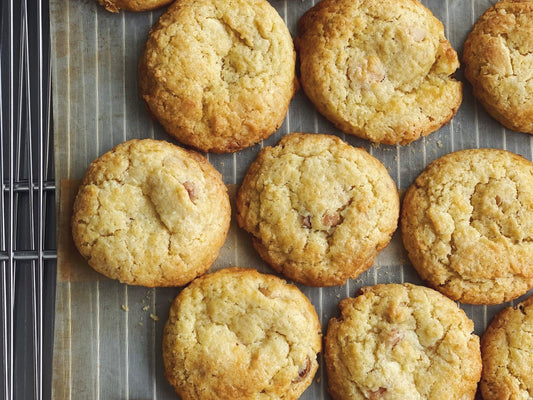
(133, 5)
(506, 349)
(217, 74)
(318, 209)
(238, 334)
(151, 213)
(467, 225)
(380, 70)
(401, 341)
(497, 62)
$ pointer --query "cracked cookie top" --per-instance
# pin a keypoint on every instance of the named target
(238, 334)
(401, 341)
(133, 5)
(467, 225)
(506, 348)
(319, 210)
(151, 213)
(381, 70)
(498, 62)
(217, 74)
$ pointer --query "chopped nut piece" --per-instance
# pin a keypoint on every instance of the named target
(302, 372)
(418, 34)
(394, 337)
(376, 394)
(331, 219)
(191, 190)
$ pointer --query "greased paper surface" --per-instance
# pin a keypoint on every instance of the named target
(108, 335)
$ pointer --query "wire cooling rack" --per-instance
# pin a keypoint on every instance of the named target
(28, 229)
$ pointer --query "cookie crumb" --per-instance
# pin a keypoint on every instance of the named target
(125, 307)
(154, 317)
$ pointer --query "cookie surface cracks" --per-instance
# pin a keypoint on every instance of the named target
(380, 70)
(219, 75)
(319, 209)
(150, 213)
(401, 342)
(498, 60)
(506, 348)
(467, 224)
(239, 334)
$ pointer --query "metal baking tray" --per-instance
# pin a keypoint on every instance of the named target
(108, 335)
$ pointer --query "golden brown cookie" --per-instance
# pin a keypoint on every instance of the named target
(467, 225)
(238, 334)
(401, 342)
(133, 5)
(381, 70)
(507, 353)
(498, 63)
(319, 210)
(151, 213)
(217, 74)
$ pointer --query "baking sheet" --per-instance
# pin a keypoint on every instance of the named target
(108, 335)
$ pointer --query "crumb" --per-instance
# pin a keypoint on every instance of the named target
(439, 144)
(125, 307)
(154, 317)
(145, 308)
(141, 324)
(318, 379)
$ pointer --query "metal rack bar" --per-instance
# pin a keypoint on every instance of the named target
(7, 272)
(27, 201)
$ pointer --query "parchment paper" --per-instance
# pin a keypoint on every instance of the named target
(108, 335)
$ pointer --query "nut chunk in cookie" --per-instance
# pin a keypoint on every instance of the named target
(467, 225)
(319, 210)
(401, 341)
(150, 213)
(237, 334)
(379, 69)
(219, 74)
